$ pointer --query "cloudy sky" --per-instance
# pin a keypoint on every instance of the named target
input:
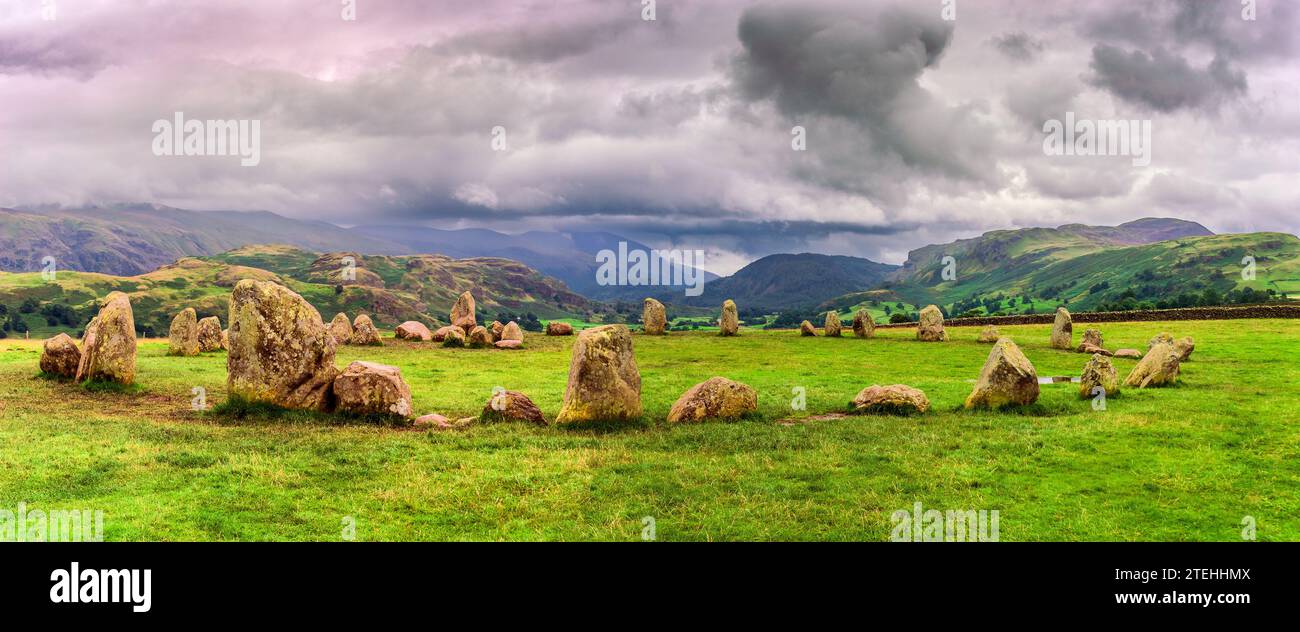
(677, 130)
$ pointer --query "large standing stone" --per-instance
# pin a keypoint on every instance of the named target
(1159, 368)
(108, 347)
(370, 388)
(280, 351)
(929, 327)
(729, 323)
(496, 328)
(364, 332)
(413, 330)
(604, 383)
(341, 329)
(183, 337)
(894, 399)
(832, 326)
(654, 319)
(462, 313)
(557, 328)
(1007, 379)
(512, 406)
(863, 325)
(806, 329)
(1063, 330)
(210, 334)
(511, 331)
(1091, 338)
(1098, 372)
(1185, 346)
(714, 398)
(989, 334)
(60, 356)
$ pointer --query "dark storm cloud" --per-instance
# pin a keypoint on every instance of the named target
(1018, 45)
(854, 71)
(1165, 81)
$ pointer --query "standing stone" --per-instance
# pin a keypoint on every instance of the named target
(1185, 346)
(413, 330)
(989, 334)
(806, 329)
(715, 398)
(108, 347)
(729, 324)
(210, 334)
(1159, 368)
(479, 336)
(557, 328)
(495, 329)
(341, 329)
(863, 325)
(832, 325)
(654, 319)
(370, 388)
(604, 383)
(1007, 379)
(512, 406)
(364, 332)
(60, 356)
(1098, 372)
(462, 313)
(511, 331)
(441, 334)
(1091, 338)
(929, 327)
(183, 337)
(280, 351)
(1160, 338)
(1063, 330)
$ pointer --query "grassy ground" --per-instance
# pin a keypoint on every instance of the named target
(1184, 463)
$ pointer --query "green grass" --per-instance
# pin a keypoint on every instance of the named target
(1184, 463)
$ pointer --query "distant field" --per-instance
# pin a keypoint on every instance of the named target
(1184, 463)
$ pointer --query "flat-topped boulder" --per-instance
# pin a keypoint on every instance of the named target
(183, 337)
(60, 356)
(1132, 354)
(508, 344)
(512, 406)
(604, 382)
(1098, 373)
(210, 334)
(364, 332)
(1063, 330)
(894, 399)
(989, 334)
(557, 328)
(654, 318)
(370, 388)
(729, 322)
(280, 351)
(454, 337)
(413, 330)
(441, 333)
(1007, 379)
(929, 326)
(714, 398)
(108, 346)
(863, 325)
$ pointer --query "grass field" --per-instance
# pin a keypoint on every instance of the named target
(1182, 463)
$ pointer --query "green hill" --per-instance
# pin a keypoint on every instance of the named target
(392, 289)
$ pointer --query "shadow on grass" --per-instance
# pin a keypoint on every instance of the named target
(238, 409)
(105, 386)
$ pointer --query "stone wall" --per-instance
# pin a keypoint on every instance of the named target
(1226, 312)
